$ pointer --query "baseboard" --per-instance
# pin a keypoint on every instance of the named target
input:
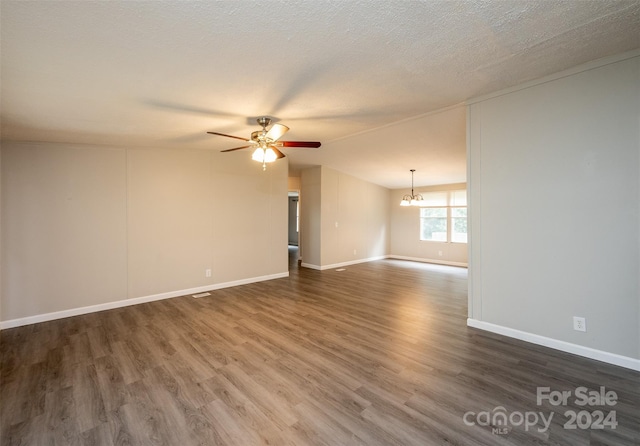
(341, 264)
(587, 352)
(436, 261)
(134, 301)
(370, 259)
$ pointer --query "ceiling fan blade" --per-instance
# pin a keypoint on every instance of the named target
(278, 152)
(235, 148)
(276, 131)
(228, 136)
(310, 144)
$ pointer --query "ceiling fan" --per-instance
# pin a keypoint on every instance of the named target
(266, 142)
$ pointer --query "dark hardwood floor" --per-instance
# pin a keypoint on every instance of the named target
(378, 354)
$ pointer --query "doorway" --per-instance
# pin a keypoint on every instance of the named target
(294, 218)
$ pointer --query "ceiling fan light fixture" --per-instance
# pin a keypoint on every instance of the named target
(264, 156)
(258, 155)
(269, 155)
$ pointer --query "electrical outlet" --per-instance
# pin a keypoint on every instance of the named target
(579, 323)
(440, 253)
(354, 252)
(207, 272)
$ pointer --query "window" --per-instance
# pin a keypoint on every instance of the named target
(459, 225)
(444, 218)
(433, 224)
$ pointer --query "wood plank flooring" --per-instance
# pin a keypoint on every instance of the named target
(378, 354)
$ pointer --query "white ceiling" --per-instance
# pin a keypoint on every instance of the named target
(161, 74)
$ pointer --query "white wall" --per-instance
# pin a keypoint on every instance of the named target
(344, 219)
(85, 226)
(405, 232)
(64, 228)
(554, 208)
(310, 216)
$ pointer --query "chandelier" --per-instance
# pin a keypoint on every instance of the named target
(413, 199)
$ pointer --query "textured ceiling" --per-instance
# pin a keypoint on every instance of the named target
(161, 74)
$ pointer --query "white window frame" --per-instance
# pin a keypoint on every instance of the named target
(449, 200)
